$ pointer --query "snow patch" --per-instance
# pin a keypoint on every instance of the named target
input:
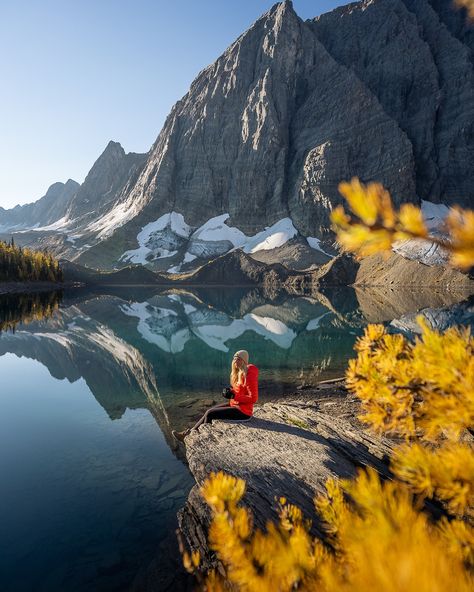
(314, 243)
(217, 336)
(216, 229)
(165, 236)
(313, 324)
(433, 214)
(60, 224)
(152, 241)
(272, 237)
(188, 257)
(170, 330)
(159, 326)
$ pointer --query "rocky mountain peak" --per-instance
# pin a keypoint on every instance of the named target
(49, 208)
(104, 181)
(113, 153)
(72, 184)
(62, 190)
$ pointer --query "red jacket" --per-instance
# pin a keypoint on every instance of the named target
(246, 394)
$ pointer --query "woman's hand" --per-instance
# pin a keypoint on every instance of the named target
(228, 393)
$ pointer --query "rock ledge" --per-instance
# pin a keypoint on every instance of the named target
(288, 448)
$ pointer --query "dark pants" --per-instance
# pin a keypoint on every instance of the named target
(222, 411)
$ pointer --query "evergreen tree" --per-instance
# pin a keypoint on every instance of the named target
(19, 264)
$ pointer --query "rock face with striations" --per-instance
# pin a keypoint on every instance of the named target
(380, 89)
(422, 76)
(268, 131)
(111, 174)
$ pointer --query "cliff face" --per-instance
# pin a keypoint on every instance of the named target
(102, 187)
(381, 89)
(268, 131)
(422, 75)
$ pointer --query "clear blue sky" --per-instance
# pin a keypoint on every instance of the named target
(78, 73)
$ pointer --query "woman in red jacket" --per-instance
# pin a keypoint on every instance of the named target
(243, 394)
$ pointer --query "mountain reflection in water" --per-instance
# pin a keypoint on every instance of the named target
(160, 350)
(140, 352)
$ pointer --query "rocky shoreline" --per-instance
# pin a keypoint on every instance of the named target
(288, 448)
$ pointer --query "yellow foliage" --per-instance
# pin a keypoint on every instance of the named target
(377, 535)
(424, 388)
(191, 561)
(375, 226)
(222, 490)
(18, 309)
(460, 224)
(382, 542)
(446, 473)
(19, 264)
(256, 562)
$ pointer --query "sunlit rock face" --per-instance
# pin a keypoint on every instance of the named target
(381, 89)
(267, 132)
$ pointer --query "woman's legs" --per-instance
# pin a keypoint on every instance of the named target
(221, 412)
(206, 415)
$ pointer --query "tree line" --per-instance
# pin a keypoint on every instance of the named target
(20, 264)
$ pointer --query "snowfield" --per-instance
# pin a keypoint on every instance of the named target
(167, 235)
(314, 243)
(170, 330)
(153, 243)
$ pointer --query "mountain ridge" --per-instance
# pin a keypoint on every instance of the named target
(380, 89)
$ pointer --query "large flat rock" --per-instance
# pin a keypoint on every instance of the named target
(289, 448)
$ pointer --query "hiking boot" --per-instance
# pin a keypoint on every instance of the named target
(180, 436)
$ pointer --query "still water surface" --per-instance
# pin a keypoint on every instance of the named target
(90, 480)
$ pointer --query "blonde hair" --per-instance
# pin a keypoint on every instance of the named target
(238, 372)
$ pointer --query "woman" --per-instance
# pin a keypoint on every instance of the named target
(243, 394)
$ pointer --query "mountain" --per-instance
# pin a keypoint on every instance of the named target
(64, 225)
(47, 210)
(251, 157)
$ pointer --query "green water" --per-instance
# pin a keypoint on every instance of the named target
(90, 477)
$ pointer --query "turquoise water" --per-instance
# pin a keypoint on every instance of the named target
(90, 477)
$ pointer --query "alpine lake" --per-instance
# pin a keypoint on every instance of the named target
(91, 385)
